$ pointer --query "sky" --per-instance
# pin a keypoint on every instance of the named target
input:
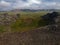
(29, 4)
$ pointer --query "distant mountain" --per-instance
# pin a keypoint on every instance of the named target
(33, 10)
(25, 10)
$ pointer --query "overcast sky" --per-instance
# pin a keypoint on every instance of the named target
(29, 4)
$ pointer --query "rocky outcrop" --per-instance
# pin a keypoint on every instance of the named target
(40, 36)
(6, 19)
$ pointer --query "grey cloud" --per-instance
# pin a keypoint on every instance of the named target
(29, 4)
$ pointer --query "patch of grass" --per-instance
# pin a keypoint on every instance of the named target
(2, 29)
(27, 21)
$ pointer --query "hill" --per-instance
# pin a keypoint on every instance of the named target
(46, 35)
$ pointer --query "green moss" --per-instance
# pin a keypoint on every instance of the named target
(21, 24)
(2, 29)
